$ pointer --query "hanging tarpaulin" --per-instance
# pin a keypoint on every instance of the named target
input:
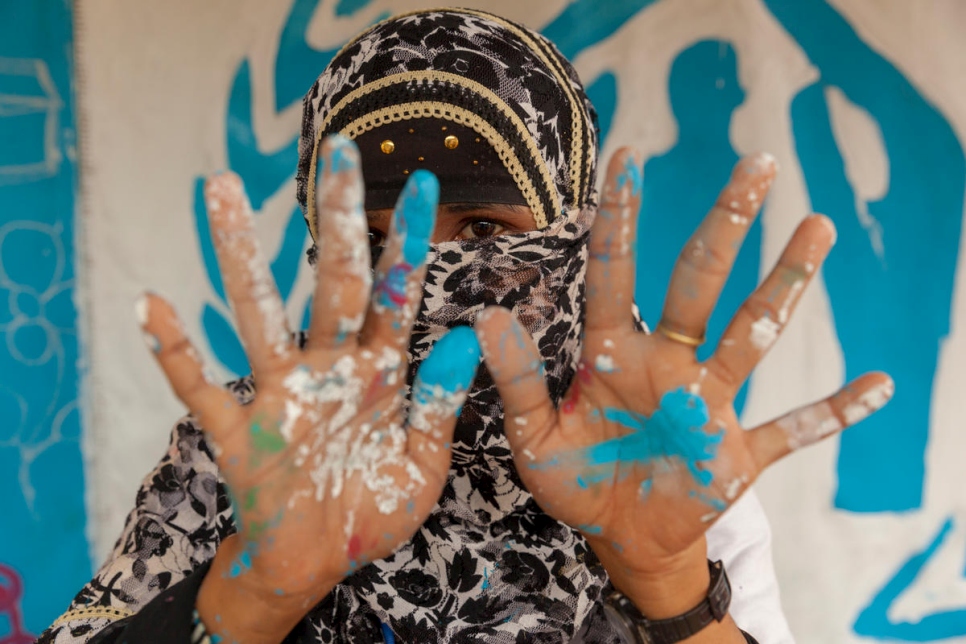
(43, 544)
(861, 101)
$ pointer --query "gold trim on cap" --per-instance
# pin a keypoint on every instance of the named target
(432, 109)
(387, 146)
(451, 142)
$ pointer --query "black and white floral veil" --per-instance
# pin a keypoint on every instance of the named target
(488, 565)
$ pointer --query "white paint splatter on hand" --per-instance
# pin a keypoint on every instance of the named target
(764, 333)
(869, 402)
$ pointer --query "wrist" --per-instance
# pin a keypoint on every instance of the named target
(666, 588)
(233, 603)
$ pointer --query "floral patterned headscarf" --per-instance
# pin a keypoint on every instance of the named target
(488, 564)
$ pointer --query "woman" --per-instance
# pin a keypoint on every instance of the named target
(571, 500)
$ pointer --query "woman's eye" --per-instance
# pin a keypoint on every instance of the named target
(376, 238)
(481, 229)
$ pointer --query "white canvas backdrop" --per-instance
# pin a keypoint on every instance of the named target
(154, 84)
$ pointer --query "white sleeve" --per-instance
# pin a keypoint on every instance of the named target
(742, 540)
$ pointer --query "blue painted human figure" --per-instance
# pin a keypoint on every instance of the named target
(891, 312)
(704, 93)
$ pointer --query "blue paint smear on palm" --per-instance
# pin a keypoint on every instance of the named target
(674, 432)
(898, 318)
(704, 93)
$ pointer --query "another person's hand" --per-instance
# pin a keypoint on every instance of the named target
(326, 470)
(646, 451)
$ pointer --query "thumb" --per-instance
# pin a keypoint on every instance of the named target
(439, 391)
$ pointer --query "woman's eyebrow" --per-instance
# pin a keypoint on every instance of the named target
(462, 208)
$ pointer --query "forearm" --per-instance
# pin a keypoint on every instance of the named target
(236, 606)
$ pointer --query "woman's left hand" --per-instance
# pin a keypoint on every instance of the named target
(646, 450)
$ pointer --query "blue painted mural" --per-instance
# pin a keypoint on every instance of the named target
(893, 246)
(45, 558)
(881, 465)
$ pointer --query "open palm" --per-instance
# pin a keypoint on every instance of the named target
(646, 449)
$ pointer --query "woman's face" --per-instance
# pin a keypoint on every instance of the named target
(461, 221)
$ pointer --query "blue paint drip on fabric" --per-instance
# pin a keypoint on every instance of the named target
(416, 215)
(675, 430)
(387, 633)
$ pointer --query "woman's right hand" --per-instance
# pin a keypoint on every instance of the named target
(326, 469)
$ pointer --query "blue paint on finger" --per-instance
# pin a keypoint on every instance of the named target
(344, 155)
(632, 176)
(450, 367)
(415, 215)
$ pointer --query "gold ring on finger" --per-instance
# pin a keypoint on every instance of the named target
(680, 338)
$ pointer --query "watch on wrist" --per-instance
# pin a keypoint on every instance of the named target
(634, 628)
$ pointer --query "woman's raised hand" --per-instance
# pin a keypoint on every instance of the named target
(646, 450)
(329, 467)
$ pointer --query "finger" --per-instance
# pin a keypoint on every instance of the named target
(398, 285)
(213, 405)
(343, 272)
(763, 316)
(705, 261)
(811, 423)
(517, 369)
(439, 391)
(248, 281)
(611, 267)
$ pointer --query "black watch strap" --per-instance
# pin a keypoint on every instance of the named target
(714, 607)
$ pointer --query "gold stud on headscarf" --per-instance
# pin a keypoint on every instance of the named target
(451, 142)
(387, 147)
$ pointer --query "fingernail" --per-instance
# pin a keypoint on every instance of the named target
(631, 176)
(343, 153)
(871, 401)
(415, 215)
(142, 307)
(765, 162)
(452, 363)
(444, 378)
(223, 189)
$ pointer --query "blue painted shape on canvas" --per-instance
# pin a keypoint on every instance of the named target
(704, 92)
(43, 546)
(262, 173)
(874, 621)
(584, 23)
(224, 342)
(897, 320)
(603, 94)
(205, 243)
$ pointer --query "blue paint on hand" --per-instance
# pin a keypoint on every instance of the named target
(344, 155)
(415, 215)
(675, 431)
(239, 566)
(632, 176)
(450, 366)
